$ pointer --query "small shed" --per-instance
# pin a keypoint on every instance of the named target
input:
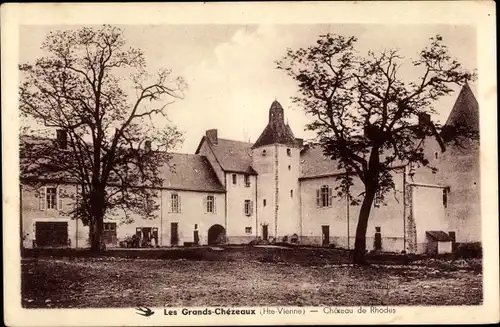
(438, 242)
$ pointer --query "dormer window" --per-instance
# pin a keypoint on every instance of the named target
(289, 152)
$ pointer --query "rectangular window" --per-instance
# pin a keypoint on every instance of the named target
(51, 197)
(109, 226)
(377, 201)
(248, 207)
(324, 196)
(247, 180)
(445, 198)
(210, 204)
(175, 202)
(248, 230)
(235, 179)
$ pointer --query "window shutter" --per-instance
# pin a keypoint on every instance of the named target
(179, 203)
(330, 196)
(59, 198)
(170, 204)
(43, 198)
(215, 208)
(205, 204)
(318, 198)
(251, 207)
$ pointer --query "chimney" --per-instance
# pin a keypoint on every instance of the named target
(211, 135)
(300, 142)
(62, 139)
(147, 145)
(423, 121)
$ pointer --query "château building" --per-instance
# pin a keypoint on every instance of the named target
(281, 189)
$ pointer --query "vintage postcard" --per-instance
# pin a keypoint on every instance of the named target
(249, 163)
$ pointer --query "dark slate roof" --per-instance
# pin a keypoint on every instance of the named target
(190, 172)
(439, 236)
(464, 115)
(276, 132)
(233, 156)
(314, 164)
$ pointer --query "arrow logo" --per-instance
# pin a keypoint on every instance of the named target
(144, 311)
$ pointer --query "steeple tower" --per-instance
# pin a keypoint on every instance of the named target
(276, 131)
(276, 159)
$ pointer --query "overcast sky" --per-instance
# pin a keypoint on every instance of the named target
(232, 76)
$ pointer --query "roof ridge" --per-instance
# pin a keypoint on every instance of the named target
(224, 139)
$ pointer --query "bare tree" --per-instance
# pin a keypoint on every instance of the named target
(364, 111)
(99, 96)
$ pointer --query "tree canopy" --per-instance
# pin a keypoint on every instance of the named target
(365, 111)
(98, 94)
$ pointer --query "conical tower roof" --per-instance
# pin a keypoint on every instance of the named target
(276, 131)
(465, 113)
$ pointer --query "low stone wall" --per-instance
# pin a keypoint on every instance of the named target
(239, 239)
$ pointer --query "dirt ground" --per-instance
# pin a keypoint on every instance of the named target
(87, 282)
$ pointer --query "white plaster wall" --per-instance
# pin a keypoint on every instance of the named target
(388, 217)
(288, 180)
(236, 218)
(264, 166)
(192, 212)
(428, 211)
(459, 169)
(31, 212)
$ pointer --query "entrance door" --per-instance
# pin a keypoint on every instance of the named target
(216, 235)
(51, 233)
(325, 232)
(146, 236)
(378, 239)
(109, 234)
(265, 233)
(174, 233)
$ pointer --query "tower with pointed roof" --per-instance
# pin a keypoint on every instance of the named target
(276, 158)
(460, 167)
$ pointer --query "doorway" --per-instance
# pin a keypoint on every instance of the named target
(51, 234)
(265, 232)
(378, 239)
(325, 234)
(174, 233)
(216, 235)
(109, 234)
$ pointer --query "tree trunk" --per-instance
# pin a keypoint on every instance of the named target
(95, 230)
(360, 242)
(97, 224)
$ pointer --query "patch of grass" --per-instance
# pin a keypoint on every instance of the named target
(94, 282)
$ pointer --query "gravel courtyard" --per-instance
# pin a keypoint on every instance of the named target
(126, 282)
